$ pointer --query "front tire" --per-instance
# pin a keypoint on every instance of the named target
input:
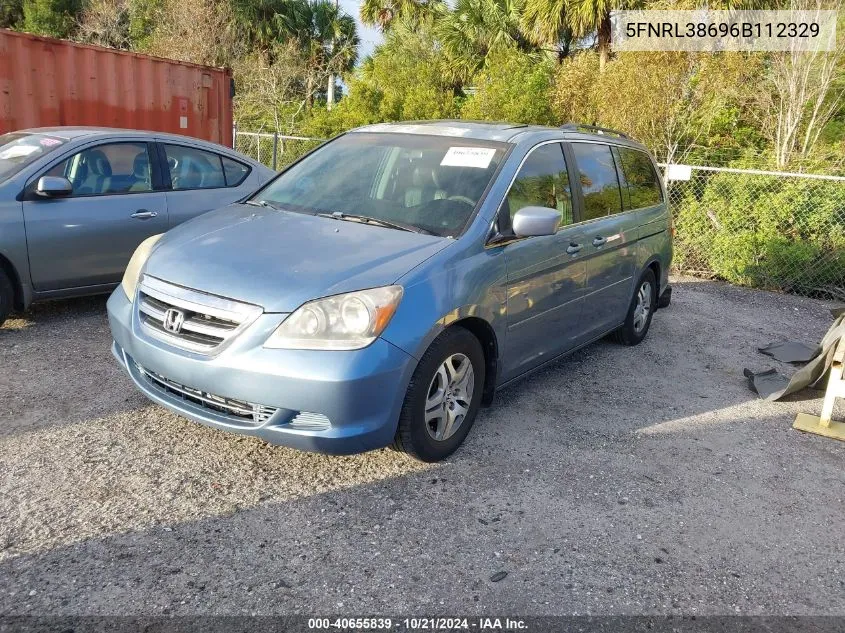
(640, 311)
(7, 296)
(443, 397)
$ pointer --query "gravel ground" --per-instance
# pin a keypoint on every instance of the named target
(618, 481)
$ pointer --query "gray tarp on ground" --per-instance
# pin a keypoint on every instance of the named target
(771, 385)
(790, 352)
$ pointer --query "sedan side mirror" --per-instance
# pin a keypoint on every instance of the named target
(53, 187)
(531, 221)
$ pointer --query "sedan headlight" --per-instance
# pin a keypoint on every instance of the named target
(342, 322)
(136, 263)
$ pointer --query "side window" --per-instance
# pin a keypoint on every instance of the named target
(107, 169)
(643, 183)
(542, 181)
(234, 171)
(192, 168)
(597, 174)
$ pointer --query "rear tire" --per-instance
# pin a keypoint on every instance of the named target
(7, 296)
(443, 397)
(640, 311)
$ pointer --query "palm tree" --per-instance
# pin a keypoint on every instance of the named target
(383, 13)
(330, 38)
(265, 22)
(588, 16)
(544, 23)
(557, 22)
(475, 27)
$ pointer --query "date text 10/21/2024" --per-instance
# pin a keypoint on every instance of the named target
(418, 624)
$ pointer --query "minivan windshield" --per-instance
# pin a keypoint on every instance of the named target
(20, 149)
(428, 183)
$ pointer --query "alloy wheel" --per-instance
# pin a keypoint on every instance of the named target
(449, 397)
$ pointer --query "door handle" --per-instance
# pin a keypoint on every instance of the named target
(143, 214)
(573, 248)
(599, 241)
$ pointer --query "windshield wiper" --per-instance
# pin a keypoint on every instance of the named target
(261, 203)
(366, 219)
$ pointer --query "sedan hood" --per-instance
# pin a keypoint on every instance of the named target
(280, 259)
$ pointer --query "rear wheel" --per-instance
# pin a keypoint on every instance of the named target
(7, 296)
(640, 311)
(443, 398)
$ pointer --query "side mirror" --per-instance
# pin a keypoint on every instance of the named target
(53, 187)
(531, 221)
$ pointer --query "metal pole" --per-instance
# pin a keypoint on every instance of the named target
(275, 149)
(234, 133)
(330, 87)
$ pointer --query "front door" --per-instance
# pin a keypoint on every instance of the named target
(547, 274)
(87, 238)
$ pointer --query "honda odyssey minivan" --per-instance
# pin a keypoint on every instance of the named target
(379, 290)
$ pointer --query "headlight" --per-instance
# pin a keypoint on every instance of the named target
(342, 322)
(133, 270)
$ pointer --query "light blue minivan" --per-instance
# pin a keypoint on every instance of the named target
(380, 289)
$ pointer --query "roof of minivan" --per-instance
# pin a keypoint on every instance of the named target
(488, 131)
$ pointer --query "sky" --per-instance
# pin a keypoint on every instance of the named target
(370, 37)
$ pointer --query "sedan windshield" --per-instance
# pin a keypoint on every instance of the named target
(19, 149)
(431, 184)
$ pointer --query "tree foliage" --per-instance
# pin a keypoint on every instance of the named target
(513, 87)
(56, 18)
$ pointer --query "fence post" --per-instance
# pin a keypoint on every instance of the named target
(234, 134)
(275, 148)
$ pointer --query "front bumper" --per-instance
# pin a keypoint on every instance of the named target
(355, 396)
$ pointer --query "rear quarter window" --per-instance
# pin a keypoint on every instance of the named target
(642, 180)
(234, 171)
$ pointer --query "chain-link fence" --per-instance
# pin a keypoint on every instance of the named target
(273, 149)
(774, 230)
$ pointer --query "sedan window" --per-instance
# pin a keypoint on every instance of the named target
(21, 149)
(107, 169)
(235, 172)
(192, 168)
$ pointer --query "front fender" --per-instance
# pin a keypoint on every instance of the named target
(458, 288)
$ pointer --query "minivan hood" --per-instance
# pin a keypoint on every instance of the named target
(281, 259)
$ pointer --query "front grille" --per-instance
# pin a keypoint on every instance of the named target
(205, 322)
(238, 410)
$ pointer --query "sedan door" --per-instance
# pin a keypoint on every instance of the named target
(546, 274)
(201, 180)
(87, 237)
(610, 237)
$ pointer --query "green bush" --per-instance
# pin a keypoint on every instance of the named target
(763, 231)
(514, 87)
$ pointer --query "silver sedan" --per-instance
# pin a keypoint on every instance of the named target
(75, 202)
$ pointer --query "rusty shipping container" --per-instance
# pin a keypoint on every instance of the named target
(45, 82)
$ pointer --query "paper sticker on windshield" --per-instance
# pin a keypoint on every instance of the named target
(50, 142)
(18, 151)
(468, 157)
